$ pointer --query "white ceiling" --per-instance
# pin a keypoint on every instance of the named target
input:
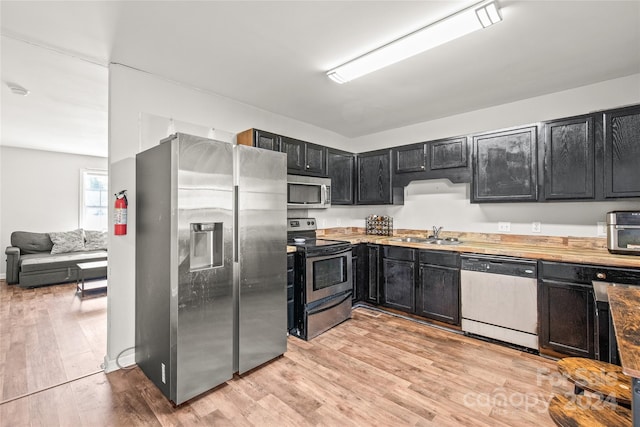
(274, 55)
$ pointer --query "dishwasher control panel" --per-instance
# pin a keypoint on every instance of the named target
(500, 265)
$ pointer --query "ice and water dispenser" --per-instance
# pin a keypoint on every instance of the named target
(206, 245)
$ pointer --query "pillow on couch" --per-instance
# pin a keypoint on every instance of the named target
(67, 241)
(31, 243)
(95, 240)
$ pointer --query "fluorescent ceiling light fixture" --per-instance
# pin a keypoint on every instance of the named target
(473, 18)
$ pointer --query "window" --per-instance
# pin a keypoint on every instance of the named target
(93, 199)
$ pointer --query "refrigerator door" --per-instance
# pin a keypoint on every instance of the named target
(202, 288)
(261, 254)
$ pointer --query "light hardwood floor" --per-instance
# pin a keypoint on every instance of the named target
(48, 335)
(375, 369)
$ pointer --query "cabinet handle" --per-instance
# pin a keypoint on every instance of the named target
(422, 167)
(308, 166)
(601, 275)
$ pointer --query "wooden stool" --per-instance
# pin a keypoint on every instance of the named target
(598, 377)
(580, 411)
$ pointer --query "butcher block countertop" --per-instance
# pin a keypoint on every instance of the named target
(579, 250)
(624, 304)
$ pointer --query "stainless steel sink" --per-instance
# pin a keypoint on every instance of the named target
(448, 241)
(409, 239)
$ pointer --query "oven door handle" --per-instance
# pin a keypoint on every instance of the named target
(326, 253)
(321, 309)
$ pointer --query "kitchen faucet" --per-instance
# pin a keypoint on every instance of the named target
(436, 232)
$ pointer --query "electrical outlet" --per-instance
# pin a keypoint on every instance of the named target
(338, 221)
(601, 229)
(504, 226)
(536, 226)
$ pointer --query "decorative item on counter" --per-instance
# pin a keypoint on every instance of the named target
(380, 225)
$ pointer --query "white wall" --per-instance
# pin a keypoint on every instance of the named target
(133, 98)
(40, 191)
(440, 202)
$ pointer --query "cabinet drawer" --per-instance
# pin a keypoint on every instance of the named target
(398, 252)
(587, 273)
(441, 258)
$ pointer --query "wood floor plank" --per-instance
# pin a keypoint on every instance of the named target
(48, 336)
(374, 369)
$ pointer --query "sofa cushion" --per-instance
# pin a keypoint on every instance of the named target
(31, 243)
(41, 262)
(95, 240)
(67, 241)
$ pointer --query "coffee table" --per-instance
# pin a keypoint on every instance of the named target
(90, 266)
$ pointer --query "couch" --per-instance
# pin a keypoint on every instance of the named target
(38, 259)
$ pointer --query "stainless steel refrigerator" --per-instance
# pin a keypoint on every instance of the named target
(210, 262)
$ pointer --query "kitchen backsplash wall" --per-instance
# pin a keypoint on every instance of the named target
(439, 202)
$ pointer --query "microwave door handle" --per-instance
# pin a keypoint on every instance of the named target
(325, 195)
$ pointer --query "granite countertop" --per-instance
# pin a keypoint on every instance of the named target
(561, 249)
(624, 303)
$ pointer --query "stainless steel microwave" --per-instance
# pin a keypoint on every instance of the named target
(308, 192)
(623, 232)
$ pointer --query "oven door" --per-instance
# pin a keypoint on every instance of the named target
(328, 275)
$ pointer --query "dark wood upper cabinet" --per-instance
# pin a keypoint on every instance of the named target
(303, 157)
(410, 158)
(341, 169)
(294, 148)
(443, 158)
(259, 138)
(374, 181)
(568, 150)
(505, 166)
(447, 153)
(315, 159)
(622, 152)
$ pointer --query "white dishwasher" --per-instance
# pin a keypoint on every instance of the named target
(499, 298)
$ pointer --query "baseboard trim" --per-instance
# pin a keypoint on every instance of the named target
(123, 362)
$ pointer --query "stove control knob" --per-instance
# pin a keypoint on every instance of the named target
(313, 222)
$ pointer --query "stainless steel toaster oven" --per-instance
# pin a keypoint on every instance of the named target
(623, 232)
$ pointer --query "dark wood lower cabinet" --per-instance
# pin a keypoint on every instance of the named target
(371, 274)
(358, 274)
(399, 278)
(438, 293)
(566, 318)
(398, 286)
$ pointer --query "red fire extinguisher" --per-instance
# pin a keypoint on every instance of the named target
(120, 214)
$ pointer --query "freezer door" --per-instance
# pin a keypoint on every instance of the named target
(203, 295)
(262, 259)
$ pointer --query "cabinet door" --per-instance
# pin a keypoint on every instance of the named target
(398, 285)
(569, 158)
(266, 140)
(341, 170)
(315, 159)
(622, 152)
(409, 158)
(374, 178)
(504, 166)
(447, 153)
(438, 295)
(566, 318)
(295, 150)
(372, 280)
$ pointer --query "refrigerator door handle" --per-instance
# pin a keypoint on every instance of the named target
(235, 223)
